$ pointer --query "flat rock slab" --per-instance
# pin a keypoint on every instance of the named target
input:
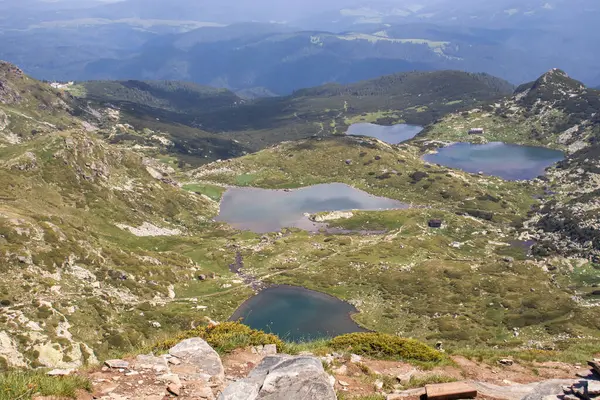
(195, 352)
(450, 391)
(283, 377)
(530, 391)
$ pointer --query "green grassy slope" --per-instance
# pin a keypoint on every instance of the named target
(464, 284)
(391, 171)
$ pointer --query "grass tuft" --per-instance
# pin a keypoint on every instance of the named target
(23, 385)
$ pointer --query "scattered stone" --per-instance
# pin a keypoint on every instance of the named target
(158, 364)
(174, 361)
(170, 378)
(343, 370)
(354, 358)
(270, 349)
(405, 378)
(584, 374)
(344, 383)
(378, 384)
(327, 359)
(348, 162)
(60, 372)
(116, 364)
(506, 361)
(174, 389)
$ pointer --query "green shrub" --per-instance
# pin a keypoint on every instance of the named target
(225, 337)
(381, 345)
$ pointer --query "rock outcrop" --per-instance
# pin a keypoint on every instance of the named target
(283, 377)
(203, 359)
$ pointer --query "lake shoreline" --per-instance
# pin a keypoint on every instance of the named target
(245, 307)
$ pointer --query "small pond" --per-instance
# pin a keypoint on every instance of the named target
(507, 161)
(264, 210)
(393, 134)
(297, 314)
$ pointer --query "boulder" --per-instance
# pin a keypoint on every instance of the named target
(283, 377)
(203, 359)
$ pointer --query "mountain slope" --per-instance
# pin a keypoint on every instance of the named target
(215, 120)
(554, 111)
(78, 219)
(102, 250)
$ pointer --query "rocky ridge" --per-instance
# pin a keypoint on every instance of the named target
(69, 203)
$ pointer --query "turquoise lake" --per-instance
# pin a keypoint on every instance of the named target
(297, 314)
(507, 161)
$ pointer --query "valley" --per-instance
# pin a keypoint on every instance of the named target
(133, 212)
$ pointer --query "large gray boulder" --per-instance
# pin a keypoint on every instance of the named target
(283, 377)
(199, 360)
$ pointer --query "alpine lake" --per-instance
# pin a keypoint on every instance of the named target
(299, 314)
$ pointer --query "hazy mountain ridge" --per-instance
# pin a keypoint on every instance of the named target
(208, 124)
(283, 62)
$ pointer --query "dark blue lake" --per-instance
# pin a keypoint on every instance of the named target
(392, 134)
(507, 161)
(297, 314)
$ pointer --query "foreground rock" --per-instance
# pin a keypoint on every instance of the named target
(283, 377)
(203, 359)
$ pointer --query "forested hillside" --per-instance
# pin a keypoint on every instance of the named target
(193, 116)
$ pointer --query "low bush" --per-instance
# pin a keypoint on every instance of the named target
(381, 345)
(224, 337)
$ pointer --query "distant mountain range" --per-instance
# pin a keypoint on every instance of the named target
(312, 44)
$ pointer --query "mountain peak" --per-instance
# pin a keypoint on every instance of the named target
(552, 86)
(10, 75)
